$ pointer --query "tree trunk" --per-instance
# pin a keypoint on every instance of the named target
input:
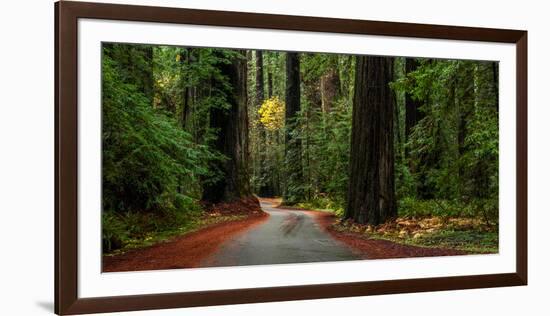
(148, 81)
(232, 140)
(465, 91)
(371, 191)
(293, 146)
(466, 104)
(269, 84)
(273, 166)
(412, 106)
(265, 182)
(259, 78)
(186, 97)
(330, 86)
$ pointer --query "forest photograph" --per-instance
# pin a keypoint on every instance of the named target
(218, 157)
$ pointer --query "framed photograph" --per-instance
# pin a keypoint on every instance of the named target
(210, 157)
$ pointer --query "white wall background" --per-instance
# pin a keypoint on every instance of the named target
(27, 157)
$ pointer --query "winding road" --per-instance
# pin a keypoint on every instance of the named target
(287, 236)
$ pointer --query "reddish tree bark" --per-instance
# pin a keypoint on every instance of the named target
(371, 191)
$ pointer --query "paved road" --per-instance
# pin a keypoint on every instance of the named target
(287, 236)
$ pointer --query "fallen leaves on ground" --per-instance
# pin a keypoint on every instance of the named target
(472, 235)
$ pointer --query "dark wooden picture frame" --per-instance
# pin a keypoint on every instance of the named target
(66, 159)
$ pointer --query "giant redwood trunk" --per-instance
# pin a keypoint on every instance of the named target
(232, 137)
(293, 146)
(371, 191)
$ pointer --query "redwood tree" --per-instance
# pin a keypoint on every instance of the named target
(371, 191)
(232, 137)
(293, 145)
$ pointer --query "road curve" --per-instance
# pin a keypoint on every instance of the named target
(287, 236)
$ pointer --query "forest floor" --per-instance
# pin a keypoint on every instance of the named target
(189, 249)
(425, 236)
(414, 237)
(273, 234)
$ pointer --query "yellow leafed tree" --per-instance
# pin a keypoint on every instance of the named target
(272, 113)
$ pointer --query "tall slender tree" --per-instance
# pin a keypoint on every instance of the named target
(293, 145)
(464, 109)
(273, 138)
(265, 182)
(412, 105)
(269, 84)
(371, 191)
(186, 91)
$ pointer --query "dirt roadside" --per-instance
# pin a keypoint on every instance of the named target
(187, 251)
(369, 248)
